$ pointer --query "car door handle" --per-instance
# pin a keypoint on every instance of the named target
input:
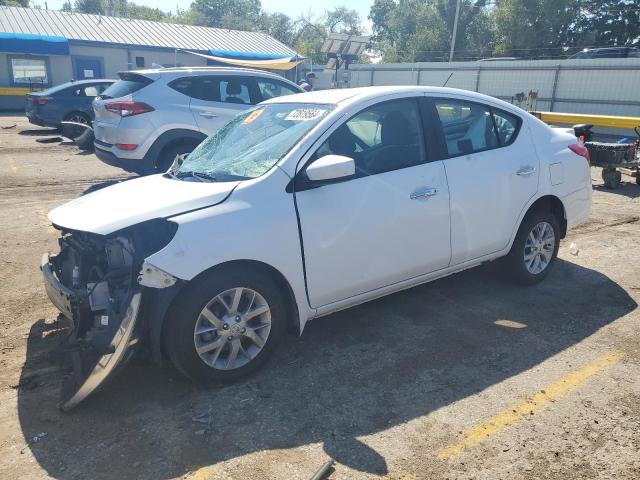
(426, 193)
(207, 114)
(526, 171)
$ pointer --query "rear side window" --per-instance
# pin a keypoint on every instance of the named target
(216, 89)
(467, 127)
(129, 84)
(506, 126)
(470, 127)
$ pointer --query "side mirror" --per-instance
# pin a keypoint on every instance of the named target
(331, 167)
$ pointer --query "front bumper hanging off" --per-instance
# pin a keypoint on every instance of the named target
(89, 365)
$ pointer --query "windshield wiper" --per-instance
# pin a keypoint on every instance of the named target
(202, 176)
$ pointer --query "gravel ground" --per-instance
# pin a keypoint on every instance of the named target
(465, 377)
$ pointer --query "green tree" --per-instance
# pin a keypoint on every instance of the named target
(342, 20)
(89, 6)
(607, 23)
(14, 3)
(418, 30)
(278, 25)
(232, 14)
(534, 28)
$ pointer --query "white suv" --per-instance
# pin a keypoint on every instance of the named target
(148, 117)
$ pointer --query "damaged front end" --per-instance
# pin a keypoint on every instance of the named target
(98, 282)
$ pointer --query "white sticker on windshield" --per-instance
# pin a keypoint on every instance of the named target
(304, 114)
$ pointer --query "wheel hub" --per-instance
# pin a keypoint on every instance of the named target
(539, 248)
(232, 328)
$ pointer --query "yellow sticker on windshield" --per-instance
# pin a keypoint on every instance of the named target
(252, 116)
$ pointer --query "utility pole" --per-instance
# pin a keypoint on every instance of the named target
(455, 31)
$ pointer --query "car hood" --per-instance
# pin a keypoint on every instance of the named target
(134, 201)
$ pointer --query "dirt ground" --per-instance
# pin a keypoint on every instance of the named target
(468, 377)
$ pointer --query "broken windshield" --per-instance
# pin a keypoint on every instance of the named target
(253, 142)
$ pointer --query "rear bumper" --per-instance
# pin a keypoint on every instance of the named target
(36, 120)
(104, 152)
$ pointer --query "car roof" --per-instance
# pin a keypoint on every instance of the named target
(73, 83)
(347, 96)
(204, 70)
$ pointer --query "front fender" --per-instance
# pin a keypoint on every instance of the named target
(256, 223)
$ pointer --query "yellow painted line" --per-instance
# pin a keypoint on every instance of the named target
(611, 121)
(14, 91)
(517, 412)
(13, 166)
(45, 219)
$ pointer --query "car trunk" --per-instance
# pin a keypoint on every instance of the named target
(106, 122)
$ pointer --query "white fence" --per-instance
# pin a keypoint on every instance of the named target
(604, 87)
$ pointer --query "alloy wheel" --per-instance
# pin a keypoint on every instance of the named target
(539, 247)
(232, 329)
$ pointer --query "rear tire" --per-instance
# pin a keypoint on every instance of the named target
(203, 327)
(168, 155)
(535, 248)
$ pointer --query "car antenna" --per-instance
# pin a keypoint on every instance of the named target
(447, 81)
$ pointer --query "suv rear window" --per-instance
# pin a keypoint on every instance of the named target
(129, 83)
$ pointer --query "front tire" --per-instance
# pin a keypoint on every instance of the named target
(225, 325)
(169, 154)
(535, 248)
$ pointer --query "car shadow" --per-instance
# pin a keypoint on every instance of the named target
(351, 374)
(629, 189)
(35, 132)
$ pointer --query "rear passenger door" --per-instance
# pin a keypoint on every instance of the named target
(492, 171)
(217, 99)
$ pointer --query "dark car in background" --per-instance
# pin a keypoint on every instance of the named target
(609, 52)
(69, 102)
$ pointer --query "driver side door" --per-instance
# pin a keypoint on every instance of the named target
(387, 223)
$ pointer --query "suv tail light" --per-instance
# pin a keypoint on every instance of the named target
(581, 150)
(128, 108)
(41, 100)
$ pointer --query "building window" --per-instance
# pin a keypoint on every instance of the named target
(140, 62)
(29, 70)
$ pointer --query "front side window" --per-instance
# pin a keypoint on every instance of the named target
(272, 89)
(235, 90)
(381, 138)
(467, 127)
(29, 70)
(253, 142)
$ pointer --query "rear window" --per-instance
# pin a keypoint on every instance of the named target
(129, 84)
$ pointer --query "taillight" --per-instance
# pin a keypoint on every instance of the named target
(128, 108)
(41, 100)
(581, 150)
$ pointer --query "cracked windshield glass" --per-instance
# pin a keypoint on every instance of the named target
(251, 143)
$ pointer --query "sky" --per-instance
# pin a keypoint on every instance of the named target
(289, 7)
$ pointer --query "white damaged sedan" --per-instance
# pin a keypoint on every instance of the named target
(299, 207)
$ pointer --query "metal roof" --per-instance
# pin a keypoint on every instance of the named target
(119, 30)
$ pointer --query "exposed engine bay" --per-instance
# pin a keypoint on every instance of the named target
(101, 273)
(97, 281)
